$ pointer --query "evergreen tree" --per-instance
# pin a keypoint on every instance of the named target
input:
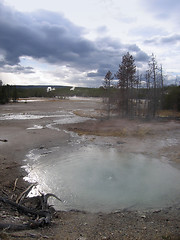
(4, 95)
(126, 82)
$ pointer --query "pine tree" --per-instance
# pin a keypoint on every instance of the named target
(126, 82)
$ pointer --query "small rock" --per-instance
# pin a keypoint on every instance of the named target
(156, 211)
(3, 140)
(119, 142)
(81, 238)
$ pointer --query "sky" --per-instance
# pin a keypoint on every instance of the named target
(75, 43)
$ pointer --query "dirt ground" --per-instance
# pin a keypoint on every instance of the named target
(153, 138)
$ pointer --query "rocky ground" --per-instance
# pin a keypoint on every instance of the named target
(154, 138)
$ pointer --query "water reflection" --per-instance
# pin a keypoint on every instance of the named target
(97, 179)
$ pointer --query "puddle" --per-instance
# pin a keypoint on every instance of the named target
(22, 116)
(76, 98)
(61, 118)
(35, 127)
(96, 179)
(27, 100)
(66, 119)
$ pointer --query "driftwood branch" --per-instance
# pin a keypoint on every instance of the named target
(43, 214)
(15, 184)
(25, 193)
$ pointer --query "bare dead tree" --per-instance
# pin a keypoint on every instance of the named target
(154, 84)
(107, 84)
(138, 107)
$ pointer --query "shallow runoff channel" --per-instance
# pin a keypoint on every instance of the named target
(94, 178)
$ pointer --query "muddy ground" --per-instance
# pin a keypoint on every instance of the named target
(154, 138)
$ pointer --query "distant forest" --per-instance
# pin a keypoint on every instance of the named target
(8, 92)
(127, 92)
(171, 97)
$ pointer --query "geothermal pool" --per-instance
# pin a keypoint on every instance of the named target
(93, 178)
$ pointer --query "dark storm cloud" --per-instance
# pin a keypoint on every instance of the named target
(103, 69)
(40, 35)
(134, 48)
(53, 38)
(141, 57)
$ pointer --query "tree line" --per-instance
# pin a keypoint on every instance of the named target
(7, 92)
(135, 94)
(12, 93)
(130, 92)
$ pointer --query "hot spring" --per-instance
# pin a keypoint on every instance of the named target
(93, 178)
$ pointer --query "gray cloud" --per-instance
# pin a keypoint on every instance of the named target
(151, 41)
(134, 48)
(53, 38)
(173, 39)
(17, 69)
(162, 9)
(41, 35)
(102, 29)
(103, 69)
(147, 32)
(141, 57)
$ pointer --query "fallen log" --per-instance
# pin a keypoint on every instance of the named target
(18, 227)
(24, 209)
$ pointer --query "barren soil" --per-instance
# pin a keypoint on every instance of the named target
(153, 138)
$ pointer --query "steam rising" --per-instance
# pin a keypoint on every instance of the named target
(98, 179)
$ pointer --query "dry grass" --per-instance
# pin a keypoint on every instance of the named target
(99, 113)
(141, 132)
(168, 113)
(89, 114)
(80, 132)
(4, 235)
